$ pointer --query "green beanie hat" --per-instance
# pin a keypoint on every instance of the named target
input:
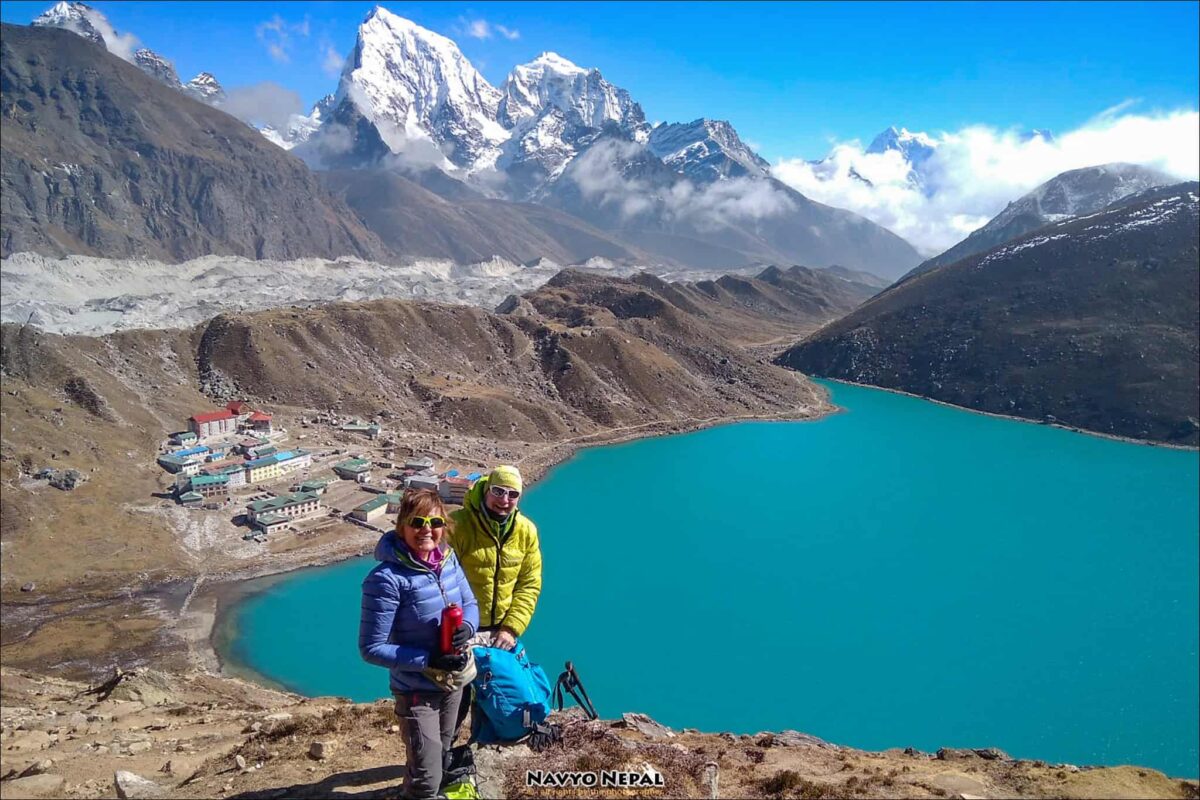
(507, 476)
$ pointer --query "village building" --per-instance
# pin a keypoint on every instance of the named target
(417, 464)
(353, 469)
(213, 423)
(260, 450)
(312, 486)
(376, 508)
(276, 465)
(209, 486)
(191, 498)
(288, 506)
(246, 445)
(176, 465)
(239, 408)
(234, 473)
(453, 489)
(183, 438)
(267, 523)
(259, 423)
(418, 482)
(370, 429)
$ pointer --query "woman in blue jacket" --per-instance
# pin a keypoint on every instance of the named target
(402, 603)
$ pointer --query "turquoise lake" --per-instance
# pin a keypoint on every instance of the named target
(900, 574)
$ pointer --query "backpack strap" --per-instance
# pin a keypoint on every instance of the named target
(569, 682)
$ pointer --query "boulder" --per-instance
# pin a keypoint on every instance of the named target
(646, 726)
(273, 722)
(44, 785)
(322, 748)
(38, 768)
(29, 740)
(131, 786)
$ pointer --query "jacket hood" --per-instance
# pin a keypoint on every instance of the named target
(474, 504)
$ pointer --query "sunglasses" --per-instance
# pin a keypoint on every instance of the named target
(421, 522)
(500, 491)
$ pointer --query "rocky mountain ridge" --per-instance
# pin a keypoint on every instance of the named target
(101, 159)
(1089, 322)
(1070, 194)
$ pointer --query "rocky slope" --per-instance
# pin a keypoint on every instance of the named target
(1079, 191)
(100, 159)
(191, 735)
(580, 357)
(1090, 321)
(410, 218)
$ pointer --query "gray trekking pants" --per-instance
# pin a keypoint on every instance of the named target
(428, 722)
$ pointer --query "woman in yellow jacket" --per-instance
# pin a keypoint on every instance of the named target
(498, 548)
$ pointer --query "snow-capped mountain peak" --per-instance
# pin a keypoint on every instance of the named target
(205, 88)
(706, 150)
(915, 147)
(1082, 191)
(300, 128)
(583, 96)
(85, 21)
(412, 83)
(156, 66)
(78, 18)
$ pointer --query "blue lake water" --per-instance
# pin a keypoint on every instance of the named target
(900, 574)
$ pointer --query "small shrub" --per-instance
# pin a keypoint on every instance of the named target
(781, 782)
(589, 762)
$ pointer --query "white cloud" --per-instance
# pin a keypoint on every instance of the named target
(331, 60)
(264, 103)
(121, 45)
(599, 175)
(976, 171)
(276, 35)
(482, 29)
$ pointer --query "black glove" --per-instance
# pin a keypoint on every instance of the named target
(462, 634)
(450, 662)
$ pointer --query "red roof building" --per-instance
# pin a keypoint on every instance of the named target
(238, 406)
(259, 416)
(212, 416)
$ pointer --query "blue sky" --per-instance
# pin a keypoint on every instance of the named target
(791, 77)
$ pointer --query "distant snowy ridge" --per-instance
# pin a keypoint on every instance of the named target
(706, 150)
(93, 25)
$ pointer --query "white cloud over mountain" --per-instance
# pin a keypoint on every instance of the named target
(972, 173)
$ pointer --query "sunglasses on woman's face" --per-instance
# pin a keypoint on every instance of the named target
(500, 491)
(421, 522)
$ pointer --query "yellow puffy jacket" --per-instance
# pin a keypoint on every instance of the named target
(503, 561)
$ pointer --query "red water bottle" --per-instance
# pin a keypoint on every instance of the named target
(451, 619)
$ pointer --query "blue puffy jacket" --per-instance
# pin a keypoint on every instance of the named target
(402, 602)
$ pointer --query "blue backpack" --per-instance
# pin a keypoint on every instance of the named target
(512, 692)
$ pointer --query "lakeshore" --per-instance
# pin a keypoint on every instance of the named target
(551, 639)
